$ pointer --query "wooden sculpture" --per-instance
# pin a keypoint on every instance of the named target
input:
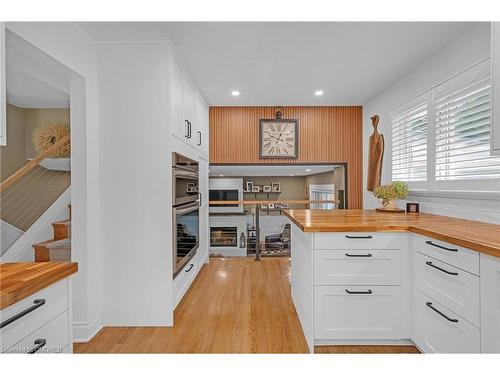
(375, 156)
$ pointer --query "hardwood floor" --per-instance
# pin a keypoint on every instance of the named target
(234, 306)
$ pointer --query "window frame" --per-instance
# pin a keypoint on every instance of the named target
(432, 185)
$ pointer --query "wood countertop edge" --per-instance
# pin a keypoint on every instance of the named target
(433, 233)
(29, 287)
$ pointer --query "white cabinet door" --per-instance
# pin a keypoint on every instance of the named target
(490, 304)
(495, 69)
(189, 111)
(3, 94)
(357, 312)
(178, 126)
(201, 126)
(439, 330)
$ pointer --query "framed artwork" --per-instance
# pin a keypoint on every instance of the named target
(266, 189)
(256, 189)
(249, 186)
(276, 186)
(278, 139)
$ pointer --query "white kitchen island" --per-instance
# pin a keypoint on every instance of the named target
(364, 279)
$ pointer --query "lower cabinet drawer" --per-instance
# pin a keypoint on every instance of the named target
(454, 288)
(439, 330)
(43, 306)
(357, 267)
(357, 312)
(51, 338)
(184, 279)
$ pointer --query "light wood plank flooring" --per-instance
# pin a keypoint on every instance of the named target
(234, 306)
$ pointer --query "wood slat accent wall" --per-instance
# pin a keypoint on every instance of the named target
(326, 135)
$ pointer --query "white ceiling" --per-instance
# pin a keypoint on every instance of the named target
(285, 62)
(268, 170)
(34, 79)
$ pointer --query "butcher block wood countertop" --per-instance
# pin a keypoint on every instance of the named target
(475, 235)
(20, 280)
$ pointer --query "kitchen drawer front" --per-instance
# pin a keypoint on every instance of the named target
(56, 302)
(454, 255)
(360, 240)
(454, 288)
(186, 277)
(339, 315)
(54, 335)
(357, 267)
(436, 334)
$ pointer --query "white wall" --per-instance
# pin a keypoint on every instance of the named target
(73, 47)
(136, 188)
(464, 52)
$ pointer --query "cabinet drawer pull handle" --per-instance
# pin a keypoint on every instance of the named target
(440, 246)
(199, 138)
(359, 237)
(369, 291)
(190, 130)
(186, 133)
(39, 344)
(359, 255)
(429, 304)
(441, 269)
(36, 304)
(190, 267)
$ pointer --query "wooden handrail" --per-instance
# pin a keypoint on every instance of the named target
(32, 164)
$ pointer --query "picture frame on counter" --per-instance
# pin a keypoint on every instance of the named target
(413, 208)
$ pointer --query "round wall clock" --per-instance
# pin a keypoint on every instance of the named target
(279, 138)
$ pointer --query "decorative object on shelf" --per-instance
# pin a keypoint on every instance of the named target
(263, 206)
(191, 187)
(375, 156)
(267, 189)
(271, 206)
(243, 240)
(389, 195)
(249, 186)
(413, 208)
(44, 137)
(256, 189)
(278, 138)
(276, 187)
(280, 206)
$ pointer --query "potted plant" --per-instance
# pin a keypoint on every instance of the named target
(389, 195)
(46, 136)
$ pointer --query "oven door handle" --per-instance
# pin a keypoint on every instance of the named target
(186, 174)
(186, 210)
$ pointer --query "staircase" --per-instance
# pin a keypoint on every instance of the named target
(57, 249)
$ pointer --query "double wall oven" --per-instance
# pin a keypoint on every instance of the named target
(186, 210)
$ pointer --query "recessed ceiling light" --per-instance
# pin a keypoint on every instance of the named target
(308, 170)
(221, 175)
(235, 93)
(318, 92)
(291, 174)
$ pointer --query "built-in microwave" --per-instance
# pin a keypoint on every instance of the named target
(185, 175)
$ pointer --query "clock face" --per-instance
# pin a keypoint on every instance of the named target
(278, 138)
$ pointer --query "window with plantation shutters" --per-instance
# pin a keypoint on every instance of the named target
(462, 130)
(409, 143)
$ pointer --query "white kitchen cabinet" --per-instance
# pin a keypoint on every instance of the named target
(440, 330)
(357, 312)
(3, 88)
(452, 287)
(179, 126)
(46, 324)
(189, 111)
(200, 128)
(490, 304)
(495, 92)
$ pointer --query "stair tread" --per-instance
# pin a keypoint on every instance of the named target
(64, 243)
(52, 241)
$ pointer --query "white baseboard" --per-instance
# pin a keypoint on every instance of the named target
(85, 331)
(363, 342)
